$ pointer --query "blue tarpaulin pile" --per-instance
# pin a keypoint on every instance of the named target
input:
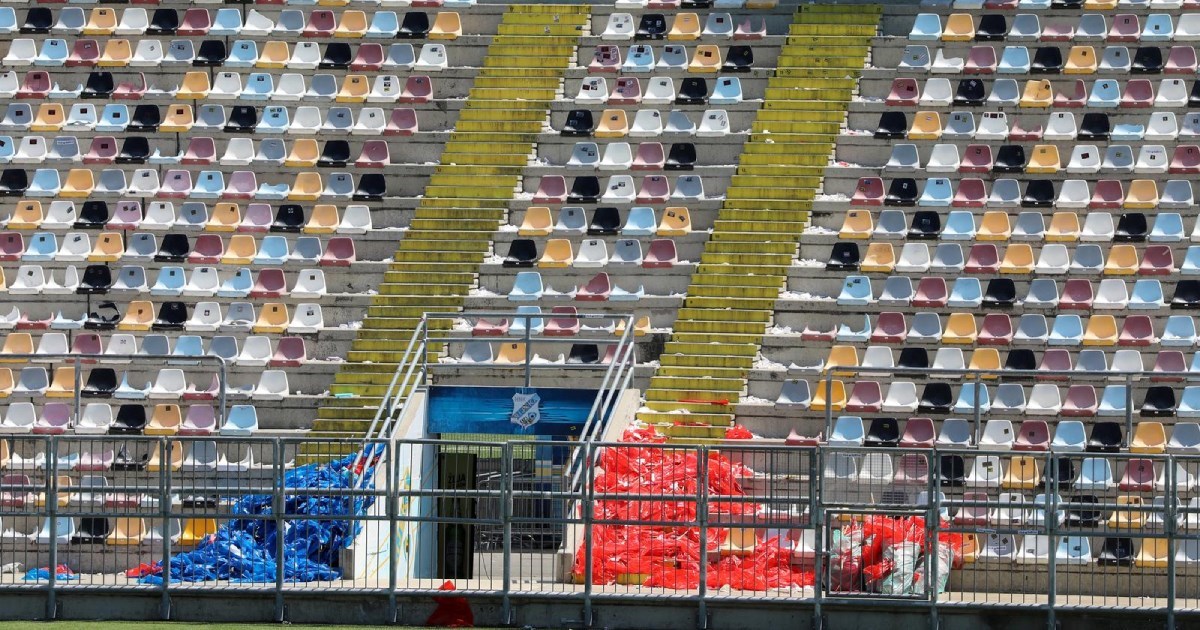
(244, 549)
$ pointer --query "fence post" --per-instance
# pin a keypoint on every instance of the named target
(975, 415)
(816, 520)
(1128, 410)
(164, 508)
(506, 492)
(1050, 510)
(933, 514)
(587, 503)
(52, 517)
(278, 501)
(1169, 528)
(391, 498)
(702, 521)
(828, 403)
(528, 351)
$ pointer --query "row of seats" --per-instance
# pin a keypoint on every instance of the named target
(256, 350)
(123, 531)
(528, 287)
(97, 418)
(514, 354)
(639, 221)
(684, 26)
(229, 22)
(1045, 159)
(646, 123)
(1123, 27)
(1095, 126)
(1146, 553)
(171, 282)
(151, 53)
(210, 184)
(935, 292)
(658, 91)
(202, 150)
(593, 252)
(561, 323)
(620, 156)
(641, 58)
(970, 192)
(241, 249)
(619, 189)
(206, 317)
(1017, 259)
(1061, 5)
(1049, 60)
(34, 382)
(996, 225)
(1044, 93)
(198, 455)
(163, 215)
(180, 118)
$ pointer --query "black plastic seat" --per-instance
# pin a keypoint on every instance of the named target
(1000, 293)
(101, 383)
(1147, 61)
(93, 215)
(242, 118)
(936, 398)
(1116, 552)
(38, 21)
(696, 4)
(130, 419)
(1020, 359)
(212, 53)
(1082, 515)
(1187, 294)
(1194, 96)
(682, 157)
(146, 118)
(738, 59)
(925, 226)
(98, 85)
(1106, 437)
(584, 353)
(1039, 193)
(174, 248)
(1046, 60)
(104, 317)
(692, 91)
(883, 432)
(844, 257)
(92, 530)
(126, 461)
(13, 181)
(1064, 474)
(415, 25)
(163, 22)
(1066, 4)
(171, 316)
(892, 126)
(289, 218)
(134, 150)
(970, 93)
(913, 358)
(579, 123)
(371, 187)
(522, 252)
(992, 28)
(1131, 228)
(1094, 126)
(605, 221)
(585, 189)
(952, 471)
(902, 192)
(651, 26)
(96, 280)
(335, 153)
(1010, 158)
(337, 56)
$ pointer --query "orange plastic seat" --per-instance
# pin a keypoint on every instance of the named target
(858, 224)
(1064, 227)
(139, 316)
(676, 221)
(240, 250)
(613, 124)
(226, 217)
(272, 318)
(558, 254)
(1101, 331)
(353, 25)
(355, 88)
(117, 53)
(960, 329)
(195, 86)
(63, 383)
(537, 222)
(685, 27)
(707, 58)
(101, 21)
(179, 119)
(27, 215)
(880, 258)
(49, 117)
(994, 226)
(1018, 258)
(323, 220)
(447, 25)
(79, 183)
(307, 187)
(275, 54)
(1038, 93)
(108, 248)
(1122, 260)
(836, 401)
(304, 153)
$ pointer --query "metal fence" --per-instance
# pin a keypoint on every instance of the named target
(818, 526)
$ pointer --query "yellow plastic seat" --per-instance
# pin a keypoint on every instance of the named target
(686, 26)
(353, 25)
(761, 4)
(511, 353)
(836, 400)
(225, 217)
(79, 183)
(841, 356)
(960, 329)
(960, 27)
(17, 343)
(676, 221)
(305, 152)
(1081, 60)
(1132, 516)
(1101, 331)
(925, 126)
(50, 117)
(613, 124)
(740, 541)
(117, 53)
(858, 225)
(63, 383)
(880, 258)
(108, 248)
(275, 54)
(165, 420)
(985, 359)
(323, 220)
(537, 222)
(970, 548)
(240, 250)
(1143, 195)
(27, 215)
(1063, 228)
(101, 21)
(1148, 437)
(195, 86)
(1038, 93)
(1024, 473)
(994, 226)
(196, 530)
(641, 327)
(272, 318)
(355, 88)
(447, 25)
(333, 3)
(307, 187)
(127, 531)
(6, 387)
(139, 316)
(1018, 258)
(707, 58)
(1044, 159)
(1122, 260)
(558, 254)
(64, 498)
(179, 118)
(1153, 554)
(1099, 5)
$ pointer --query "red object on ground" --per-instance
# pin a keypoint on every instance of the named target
(451, 612)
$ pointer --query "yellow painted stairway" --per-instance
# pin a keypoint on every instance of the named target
(436, 263)
(731, 300)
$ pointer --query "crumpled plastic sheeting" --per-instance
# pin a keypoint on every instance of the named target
(243, 550)
(62, 573)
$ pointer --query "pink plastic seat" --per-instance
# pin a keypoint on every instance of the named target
(1138, 477)
(595, 290)
(751, 28)
(1034, 435)
(102, 151)
(996, 330)
(12, 245)
(257, 218)
(869, 192)
(904, 93)
(271, 283)
(241, 185)
(1058, 32)
(1169, 361)
(200, 420)
(1138, 330)
(654, 189)
(606, 58)
(195, 21)
(890, 327)
(627, 91)
(912, 469)
(85, 52)
(865, 397)
(207, 249)
(1081, 402)
(1077, 294)
(565, 325)
(918, 433)
(931, 292)
(1025, 131)
(815, 334)
(374, 154)
(127, 216)
(487, 328)
(980, 60)
(1186, 159)
(1125, 28)
(321, 23)
(87, 345)
(289, 352)
(12, 498)
(131, 89)
(368, 58)
(650, 157)
(1074, 95)
(1138, 93)
(971, 193)
(973, 514)
(551, 189)
(176, 184)
(54, 420)
(403, 122)
(1108, 193)
(1054, 360)
(660, 254)
(977, 158)
(984, 258)
(30, 321)
(200, 150)
(417, 89)
(339, 252)
(1181, 60)
(35, 85)
(1157, 260)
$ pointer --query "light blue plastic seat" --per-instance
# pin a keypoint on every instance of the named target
(1005, 193)
(400, 56)
(527, 286)
(42, 246)
(926, 27)
(306, 249)
(1005, 92)
(674, 57)
(271, 151)
(727, 92)
(856, 291)
(965, 293)
(192, 215)
(1067, 331)
(536, 324)
(891, 224)
(62, 149)
(1118, 158)
(1106, 93)
(794, 394)
(155, 345)
(243, 54)
(1168, 228)
(8, 21)
(339, 186)
(114, 117)
(274, 120)
(938, 193)
(1043, 293)
(904, 158)
(210, 117)
(8, 149)
(1033, 5)
(1069, 437)
(947, 258)
(17, 117)
(188, 346)
(1112, 401)
(960, 226)
(111, 182)
(384, 24)
(180, 52)
(897, 291)
(639, 59)
(1092, 26)
(965, 405)
(272, 250)
(267, 190)
(1147, 295)
(321, 87)
(237, 285)
(1194, 368)
(848, 334)
(223, 346)
(1176, 193)
(1031, 329)
(1189, 403)
(847, 431)
(71, 21)
(1127, 132)
(1179, 331)
(338, 120)
(141, 246)
(1089, 259)
(259, 87)
(1158, 27)
(208, 185)
(242, 421)
(44, 183)
(54, 52)
(1095, 473)
(227, 22)
(1009, 399)
(1014, 60)
(1191, 262)
(641, 222)
(926, 327)
(170, 281)
(290, 22)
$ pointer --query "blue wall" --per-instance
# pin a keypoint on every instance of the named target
(487, 409)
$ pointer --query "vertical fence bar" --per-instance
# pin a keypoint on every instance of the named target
(933, 514)
(976, 413)
(702, 521)
(1169, 530)
(1051, 523)
(222, 376)
(828, 403)
(528, 351)
(816, 520)
(164, 510)
(77, 395)
(588, 506)
(52, 517)
(506, 512)
(1128, 410)
(278, 500)
(392, 499)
